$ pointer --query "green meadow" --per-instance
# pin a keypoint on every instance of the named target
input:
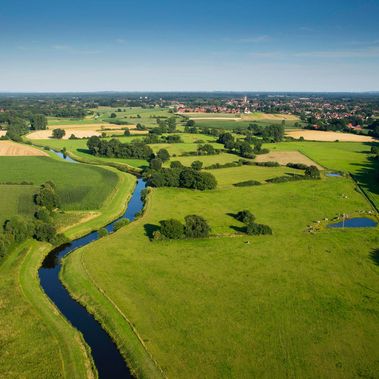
(293, 303)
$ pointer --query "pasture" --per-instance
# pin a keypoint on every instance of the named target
(288, 303)
(80, 187)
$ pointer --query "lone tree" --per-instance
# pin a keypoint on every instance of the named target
(58, 133)
(312, 172)
(245, 216)
(172, 229)
(196, 227)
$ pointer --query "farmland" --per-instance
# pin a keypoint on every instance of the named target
(79, 187)
(273, 305)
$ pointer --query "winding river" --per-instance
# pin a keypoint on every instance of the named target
(108, 360)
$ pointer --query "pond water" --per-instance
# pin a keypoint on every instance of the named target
(334, 174)
(108, 360)
(356, 222)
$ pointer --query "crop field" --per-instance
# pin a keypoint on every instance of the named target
(16, 199)
(10, 149)
(80, 187)
(317, 135)
(275, 305)
(284, 157)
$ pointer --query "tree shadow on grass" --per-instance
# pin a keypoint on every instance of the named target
(374, 255)
(150, 229)
(85, 151)
(239, 229)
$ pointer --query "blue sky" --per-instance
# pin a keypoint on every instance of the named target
(145, 45)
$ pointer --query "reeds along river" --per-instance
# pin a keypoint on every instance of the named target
(108, 360)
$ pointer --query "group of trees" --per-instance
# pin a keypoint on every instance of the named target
(116, 149)
(251, 227)
(269, 133)
(194, 227)
(155, 138)
(241, 148)
(183, 177)
(41, 227)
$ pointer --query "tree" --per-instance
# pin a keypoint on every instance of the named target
(176, 164)
(196, 227)
(190, 123)
(312, 172)
(156, 164)
(19, 228)
(38, 122)
(126, 132)
(258, 229)
(113, 115)
(59, 133)
(44, 231)
(197, 165)
(172, 229)
(163, 154)
(43, 214)
(102, 232)
(47, 196)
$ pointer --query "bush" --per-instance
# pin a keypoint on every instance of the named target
(42, 214)
(172, 229)
(268, 164)
(245, 216)
(164, 155)
(156, 164)
(59, 133)
(102, 232)
(120, 224)
(176, 164)
(197, 165)
(247, 183)
(196, 227)
(254, 229)
(312, 172)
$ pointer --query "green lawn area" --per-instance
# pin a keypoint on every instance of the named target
(351, 157)
(80, 187)
(226, 177)
(16, 199)
(291, 304)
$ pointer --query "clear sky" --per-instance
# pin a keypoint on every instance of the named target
(154, 45)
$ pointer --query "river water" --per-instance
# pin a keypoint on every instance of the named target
(108, 360)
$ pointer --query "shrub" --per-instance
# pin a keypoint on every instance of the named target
(42, 214)
(176, 164)
(196, 227)
(59, 133)
(254, 229)
(245, 216)
(172, 229)
(120, 224)
(247, 183)
(312, 172)
(102, 232)
(197, 165)
(163, 154)
(268, 164)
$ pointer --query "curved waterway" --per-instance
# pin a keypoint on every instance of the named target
(108, 360)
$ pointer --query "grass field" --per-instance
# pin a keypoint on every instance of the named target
(350, 157)
(80, 187)
(16, 199)
(288, 305)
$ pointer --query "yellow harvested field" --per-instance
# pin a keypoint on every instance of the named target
(318, 135)
(269, 116)
(13, 149)
(284, 157)
(46, 134)
(97, 127)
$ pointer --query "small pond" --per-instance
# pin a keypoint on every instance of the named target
(356, 222)
(334, 174)
(63, 156)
